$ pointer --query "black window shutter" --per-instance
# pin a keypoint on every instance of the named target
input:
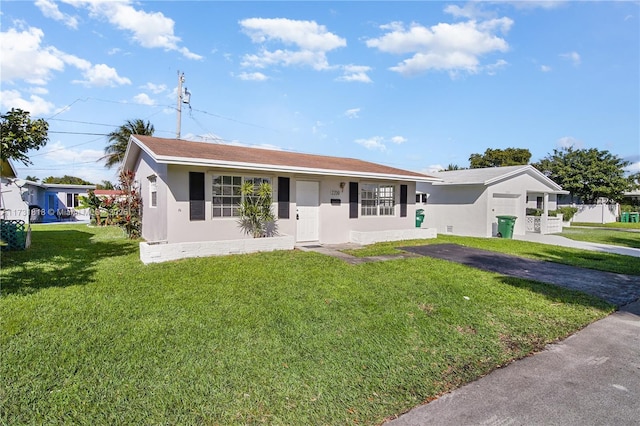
(353, 200)
(403, 200)
(283, 197)
(196, 196)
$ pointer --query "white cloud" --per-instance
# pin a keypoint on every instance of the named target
(58, 153)
(373, 143)
(537, 4)
(84, 163)
(102, 75)
(149, 29)
(545, 68)
(447, 47)
(355, 73)
(569, 142)
(252, 76)
(143, 99)
(50, 10)
(574, 57)
(492, 69)
(35, 104)
(155, 88)
(398, 140)
(307, 35)
(23, 58)
(432, 168)
(352, 113)
(633, 167)
(310, 42)
(470, 10)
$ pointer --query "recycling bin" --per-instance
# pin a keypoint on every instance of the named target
(505, 226)
(419, 217)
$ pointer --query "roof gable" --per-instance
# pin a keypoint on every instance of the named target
(491, 175)
(177, 151)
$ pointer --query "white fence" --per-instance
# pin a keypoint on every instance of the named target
(596, 213)
(552, 225)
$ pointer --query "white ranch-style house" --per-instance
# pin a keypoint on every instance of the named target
(467, 202)
(190, 193)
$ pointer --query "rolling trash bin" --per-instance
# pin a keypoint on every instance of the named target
(419, 217)
(505, 226)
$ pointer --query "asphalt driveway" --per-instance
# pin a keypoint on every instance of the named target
(618, 289)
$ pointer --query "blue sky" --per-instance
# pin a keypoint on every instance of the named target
(414, 85)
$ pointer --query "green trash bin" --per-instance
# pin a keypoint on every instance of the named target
(634, 217)
(505, 226)
(419, 217)
(624, 217)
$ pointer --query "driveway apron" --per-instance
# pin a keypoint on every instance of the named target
(618, 289)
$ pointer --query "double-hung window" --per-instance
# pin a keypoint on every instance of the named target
(72, 201)
(227, 194)
(377, 199)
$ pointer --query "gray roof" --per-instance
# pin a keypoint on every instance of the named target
(490, 175)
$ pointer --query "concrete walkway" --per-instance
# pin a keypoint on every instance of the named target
(557, 240)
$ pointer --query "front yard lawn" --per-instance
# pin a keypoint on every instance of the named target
(89, 335)
(613, 236)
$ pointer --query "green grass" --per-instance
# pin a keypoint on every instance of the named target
(616, 225)
(568, 256)
(89, 335)
(613, 236)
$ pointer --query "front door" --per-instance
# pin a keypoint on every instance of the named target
(307, 210)
(50, 205)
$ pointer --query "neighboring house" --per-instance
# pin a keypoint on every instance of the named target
(40, 202)
(12, 205)
(105, 193)
(632, 197)
(467, 202)
(190, 193)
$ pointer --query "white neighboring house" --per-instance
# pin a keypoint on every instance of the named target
(467, 202)
(190, 198)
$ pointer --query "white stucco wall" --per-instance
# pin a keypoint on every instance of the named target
(459, 210)
(12, 205)
(471, 210)
(334, 223)
(154, 219)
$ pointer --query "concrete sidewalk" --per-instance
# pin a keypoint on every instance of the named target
(557, 240)
(591, 378)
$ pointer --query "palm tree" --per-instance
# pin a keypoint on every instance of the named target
(119, 139)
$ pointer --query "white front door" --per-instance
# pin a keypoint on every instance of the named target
(307, 210)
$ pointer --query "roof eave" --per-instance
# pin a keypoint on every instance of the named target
(287, 169)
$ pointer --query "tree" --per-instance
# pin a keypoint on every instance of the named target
(20, 134)
(32, 178)
(105, 184)
(66, 180)
(452, 167)
(588, 173)
(256, 214)
(500, 157)
(119, 139)
(129, 205)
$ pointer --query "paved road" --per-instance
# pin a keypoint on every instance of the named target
(591, 378)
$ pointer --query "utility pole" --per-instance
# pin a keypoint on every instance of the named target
(179, 123)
